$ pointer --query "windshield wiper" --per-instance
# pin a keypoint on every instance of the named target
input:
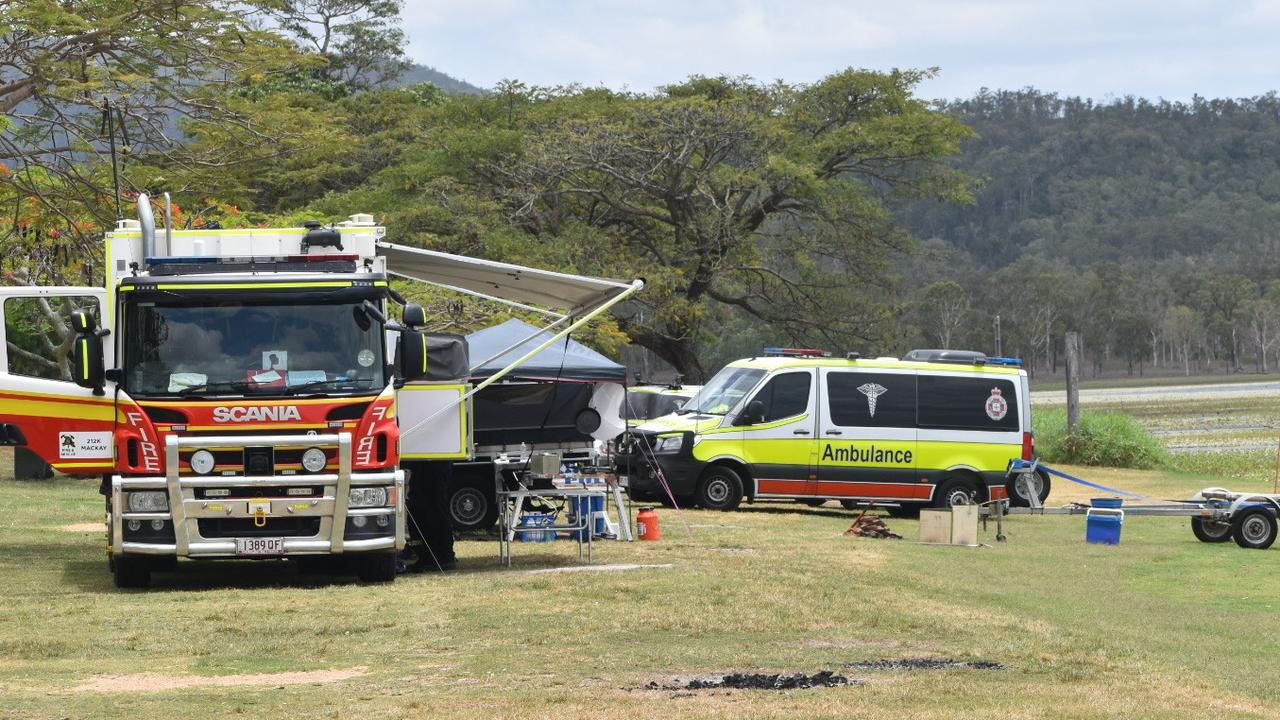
(295, 389)
(225, 385)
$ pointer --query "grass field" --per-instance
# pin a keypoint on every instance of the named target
(1160, 627)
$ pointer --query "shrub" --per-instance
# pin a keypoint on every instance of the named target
(1108, 439)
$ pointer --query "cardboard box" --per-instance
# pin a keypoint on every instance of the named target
(957, 526)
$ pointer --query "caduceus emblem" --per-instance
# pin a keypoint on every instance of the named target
(872, 391)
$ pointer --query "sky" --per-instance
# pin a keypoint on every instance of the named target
(1171, 49)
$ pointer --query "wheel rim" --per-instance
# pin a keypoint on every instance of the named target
(960, 496)
(1215, 529)
(1028, 485)
(717, 490)
(468, 507)
(1255, 529)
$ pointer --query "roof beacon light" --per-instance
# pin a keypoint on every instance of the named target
(794, 352)
(1016, 362)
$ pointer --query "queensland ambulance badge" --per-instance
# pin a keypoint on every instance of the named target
(997, 406)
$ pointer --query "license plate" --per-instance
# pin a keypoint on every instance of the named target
(260, 546)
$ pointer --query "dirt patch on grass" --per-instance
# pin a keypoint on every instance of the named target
(83, 527)
(926, 664)
(158, 682)
(759, 681)
(617, 567)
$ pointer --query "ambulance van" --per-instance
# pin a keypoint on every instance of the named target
(934, 429)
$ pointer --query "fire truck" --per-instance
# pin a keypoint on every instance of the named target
(245, 393)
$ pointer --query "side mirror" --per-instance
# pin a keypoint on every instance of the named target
(86, 359)
(414, 315)
(83, 322)
(411, 351)
(753, 414)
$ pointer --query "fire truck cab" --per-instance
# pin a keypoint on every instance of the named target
(243, 392)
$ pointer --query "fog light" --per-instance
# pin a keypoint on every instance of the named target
(313, 460)
(157, 525)
(382, 520)
(359, 521)
(367, 497)
(135, 525)
(202, 462)
(148, 501)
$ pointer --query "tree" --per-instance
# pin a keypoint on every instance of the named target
(70, 71)
(1184, 328)
(729, 195)
(943, 308)
(358, 40)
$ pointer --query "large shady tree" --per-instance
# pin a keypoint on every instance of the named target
(731, 197)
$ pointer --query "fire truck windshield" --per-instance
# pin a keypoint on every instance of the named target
(251, 348)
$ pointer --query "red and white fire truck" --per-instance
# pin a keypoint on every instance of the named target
(242, 392)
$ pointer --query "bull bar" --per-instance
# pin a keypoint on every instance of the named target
(185, 508)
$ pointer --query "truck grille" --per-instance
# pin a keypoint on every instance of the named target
(244, 527)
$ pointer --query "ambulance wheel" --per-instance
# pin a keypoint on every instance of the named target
(812, 502)
(130, 571)
(903, 511)
(849, 504)
(720, 489)
(956, 491)
(1254, 527)
(1021, 485)
(376, 567)
(471, 508)
(1210, 531)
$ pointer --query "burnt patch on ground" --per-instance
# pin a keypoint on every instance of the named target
(761, 681)
(905, 664)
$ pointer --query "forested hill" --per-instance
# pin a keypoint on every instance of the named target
(416, 74)
(1087, 182)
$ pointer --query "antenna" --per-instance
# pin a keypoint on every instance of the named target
(109, 127)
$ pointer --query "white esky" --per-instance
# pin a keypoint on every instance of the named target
(1169, 49)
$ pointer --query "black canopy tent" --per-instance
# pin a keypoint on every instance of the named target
(539, 401)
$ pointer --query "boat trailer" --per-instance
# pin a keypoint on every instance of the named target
(1217, 514)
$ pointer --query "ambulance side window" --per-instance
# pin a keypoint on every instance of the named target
(961, 403)
(38, 331)
(860, 399)
(786, 395)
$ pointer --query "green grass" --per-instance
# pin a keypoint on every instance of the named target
(1111, 439)
(1160, 627)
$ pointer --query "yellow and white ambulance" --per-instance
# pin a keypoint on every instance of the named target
(935, 428)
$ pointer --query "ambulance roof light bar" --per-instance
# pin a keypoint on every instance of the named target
(795, 352)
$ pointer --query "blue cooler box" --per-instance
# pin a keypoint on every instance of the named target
(1102, 526)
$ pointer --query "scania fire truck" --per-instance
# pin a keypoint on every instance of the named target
(243, 393)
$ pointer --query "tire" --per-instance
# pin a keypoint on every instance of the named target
(956, 491)
(849, 504)
(130, 571)
(1209, 531)
(812, 502)
(375, 567)
(319, 564)
(471, 507)
(1017, 489)
(1254, 527)
(719, 489)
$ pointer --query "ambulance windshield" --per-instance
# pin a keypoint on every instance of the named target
(723, 392)
(251, 348)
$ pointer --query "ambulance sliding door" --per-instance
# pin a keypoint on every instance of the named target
(780, 445)
(867, 436)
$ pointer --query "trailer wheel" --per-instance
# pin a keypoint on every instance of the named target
(956, 491)
(130, 571)
(1254, 527)
(720, 489)
(1023, 484)
(376, 567)
(1210, 531)
(471, 508)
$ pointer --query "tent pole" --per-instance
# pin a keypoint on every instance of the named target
(632, 290)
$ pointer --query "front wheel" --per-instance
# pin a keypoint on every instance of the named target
(1026, 484)
(1255, 528)
(375, 567)
(1210, 531)
(720, 489)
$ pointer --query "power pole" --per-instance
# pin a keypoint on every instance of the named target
(998, 352)
(1073, 382)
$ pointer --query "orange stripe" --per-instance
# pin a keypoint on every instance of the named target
(903, 491)
(45, 397)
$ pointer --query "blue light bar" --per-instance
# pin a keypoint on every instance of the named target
(181, 260)
(1005, 361)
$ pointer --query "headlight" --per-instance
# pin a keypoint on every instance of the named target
(202, 462)
(668, 444)
(148, 501)
(367, 497)
(314, 460)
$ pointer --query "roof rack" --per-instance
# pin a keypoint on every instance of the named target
(959, 357)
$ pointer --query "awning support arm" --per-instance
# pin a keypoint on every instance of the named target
(628, 292)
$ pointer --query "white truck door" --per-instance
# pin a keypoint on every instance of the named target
(40, 406)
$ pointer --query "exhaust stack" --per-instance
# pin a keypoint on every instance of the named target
(148, 222)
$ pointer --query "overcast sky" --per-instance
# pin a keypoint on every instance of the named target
(1096, 48)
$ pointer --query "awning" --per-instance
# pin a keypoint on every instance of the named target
(489, 278)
